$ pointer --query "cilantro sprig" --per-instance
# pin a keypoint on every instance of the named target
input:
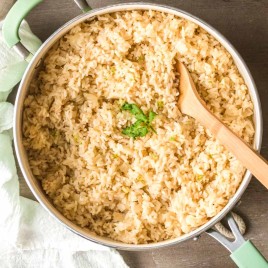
(143, 124)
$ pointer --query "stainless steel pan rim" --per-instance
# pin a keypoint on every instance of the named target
(22, 91)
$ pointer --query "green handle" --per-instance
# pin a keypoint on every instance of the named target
(14, 18)
(248, 256)
(83, 5)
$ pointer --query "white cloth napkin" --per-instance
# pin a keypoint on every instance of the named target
(29, 236)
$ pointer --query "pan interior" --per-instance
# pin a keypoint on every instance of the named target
(35, 67)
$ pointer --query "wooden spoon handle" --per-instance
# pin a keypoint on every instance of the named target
(250, 158)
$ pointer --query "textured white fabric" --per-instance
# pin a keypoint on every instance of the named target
(29, 236)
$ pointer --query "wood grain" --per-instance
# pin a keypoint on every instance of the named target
(245, 24)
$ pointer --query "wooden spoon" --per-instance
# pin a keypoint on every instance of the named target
(191, 104)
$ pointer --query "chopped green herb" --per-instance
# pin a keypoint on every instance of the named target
(140, 179)
(141, 59)
(151, 116)
(138, 129)
(153, 129)
(199, 177)
(113, 69)
(143, 124)
(76, 138)
(154, 156)
(53, 132)
(160, 104)
(135, 110)
(173, 138)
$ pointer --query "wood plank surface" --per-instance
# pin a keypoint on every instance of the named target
(245, 24)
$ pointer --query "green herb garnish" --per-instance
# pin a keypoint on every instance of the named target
(76, 138)
(113, 69)
(151, 116)
(143, 124)
(135, 110)
(199, 177)
(172, 138)
(160, 104)
(138, 129)
(53, 132)
(141, 59)
(154, 156)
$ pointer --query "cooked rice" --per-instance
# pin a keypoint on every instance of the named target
(148, 189)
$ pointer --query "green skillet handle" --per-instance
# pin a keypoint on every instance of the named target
(14, 18)
(248, 256)
(19, 11)
(83, 5)
(12, 23)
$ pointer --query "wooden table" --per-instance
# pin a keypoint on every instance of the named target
(245, 24)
